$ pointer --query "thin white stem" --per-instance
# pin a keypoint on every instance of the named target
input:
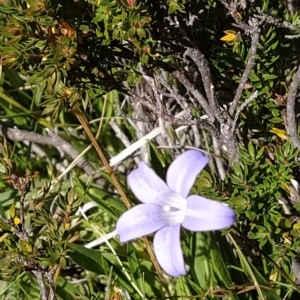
(103, 239)
(141, 142)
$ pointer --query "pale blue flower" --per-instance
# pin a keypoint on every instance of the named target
(166, 207)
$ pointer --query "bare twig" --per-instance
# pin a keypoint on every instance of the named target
(197, 140)
(47, 291)
(41, 282)
(50, 277)
(119, 133)
(193, 90)
(186, 118)
(219, 163)
(292, 37)
(54, 140)
(225, 136)
(249, 66)
(204, 69)
(228, 139)
(291, 110)
(160, 105)
(250, 99)
(279, 23)
(21, 184)
(180, 99)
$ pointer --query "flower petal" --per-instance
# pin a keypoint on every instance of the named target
(146, 185)
(168, 250)
(138, 221)
(183, 171)
(205, 215)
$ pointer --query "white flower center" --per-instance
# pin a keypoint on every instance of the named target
(167, 208)
(174, 208)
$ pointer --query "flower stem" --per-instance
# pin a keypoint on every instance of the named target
(117, 185)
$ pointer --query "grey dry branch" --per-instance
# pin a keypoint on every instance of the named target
(225, 137)
(40, 279)
(173, 94)
(156, 94)
(119, 133)
(50, 277)
(53, 140)
(291, 110)
(193, 90)
(160, 105)
(279, 23)
(208, 103)
(219, 163)
(249, 66)
(186, 119)
(249, 100)
(204, 69)
(139, 99)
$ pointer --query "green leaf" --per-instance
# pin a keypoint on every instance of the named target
(99, 18)
(220, 267)
(157, 159)
(144, 58)
(114, 206)
(275, 120)
(131, 32)
(264, 90)
(141, 32)
(251, 149)
(12, 211)
(253, 77)
(182, 287)
(201, 261)
(88, 259)
(260, 153)
(269, 76)
(240, 203)
(134, 265)
(63, 262)
(237, 170)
